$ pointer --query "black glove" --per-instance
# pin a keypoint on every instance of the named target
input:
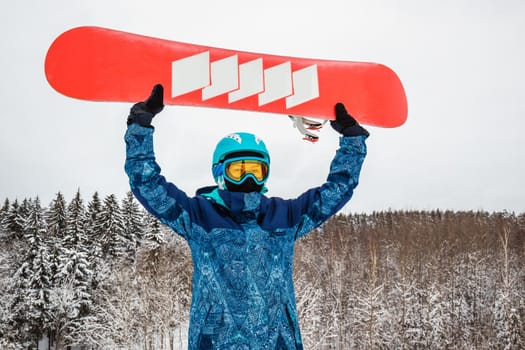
(143, 112)
(345, 124)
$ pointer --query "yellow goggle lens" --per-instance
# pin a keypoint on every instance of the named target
(238, 169)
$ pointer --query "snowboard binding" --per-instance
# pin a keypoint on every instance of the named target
(307, 127)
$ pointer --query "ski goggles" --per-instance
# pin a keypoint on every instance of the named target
(236, 170)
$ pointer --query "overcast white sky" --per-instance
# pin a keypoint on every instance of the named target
(461, 62)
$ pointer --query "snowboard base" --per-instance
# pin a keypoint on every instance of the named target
(99, 64)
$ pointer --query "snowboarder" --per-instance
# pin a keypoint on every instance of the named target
(241, 241)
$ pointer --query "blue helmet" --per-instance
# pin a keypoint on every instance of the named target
(242, 144)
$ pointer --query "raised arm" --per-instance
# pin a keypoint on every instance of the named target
(319, 204)
(161, 198)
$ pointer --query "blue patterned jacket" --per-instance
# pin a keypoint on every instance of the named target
(242, 248)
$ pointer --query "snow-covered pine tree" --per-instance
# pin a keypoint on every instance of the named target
(72, 292)
(8, 265)
(11, 233)
(30, 314)
(79, 250)
(110, 227)
(154, 236)
(4, 210)
(76, 223)
(132, 224)
(3, 214)
(13, 222)
(151, 246)
(5, 277)
(57, 217)
(98, 265)
(94, 210)
(25, 207)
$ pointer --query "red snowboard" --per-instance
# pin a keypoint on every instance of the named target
(99, 64)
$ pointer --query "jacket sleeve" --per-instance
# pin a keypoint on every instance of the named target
(318, 204)
(161, 198)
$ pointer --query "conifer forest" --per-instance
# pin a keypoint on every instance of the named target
(100, 273)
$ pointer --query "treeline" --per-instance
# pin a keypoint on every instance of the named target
(102, 275)
(106, 275)
(414, 280)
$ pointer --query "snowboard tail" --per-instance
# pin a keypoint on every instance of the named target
(99, 64)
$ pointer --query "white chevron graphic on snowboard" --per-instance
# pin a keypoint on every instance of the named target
(226, 76)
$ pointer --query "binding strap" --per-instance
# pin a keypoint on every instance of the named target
(307, 126)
